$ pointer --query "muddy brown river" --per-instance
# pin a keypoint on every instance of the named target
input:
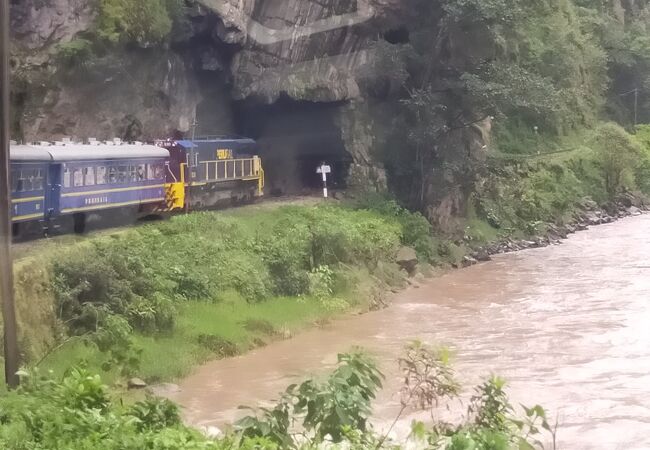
(568, 326)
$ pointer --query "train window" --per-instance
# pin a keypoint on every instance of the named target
(21, 182)
(37, 184)
(77, 177)
(66, 178)
(151, 171)
(26, 180)
(100, 175)
(112, 175)
(121, 174)
(141, 172)
(14, 181)
(132, 174)
(158, 171)
(89, 176)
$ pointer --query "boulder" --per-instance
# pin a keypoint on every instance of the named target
(634, 211)
(407, 259)
(626, 199)
(468, 261)
(610, 208)
(137, 383)
(593, 219)
(556, 232)
(588, 204)
(481, 255)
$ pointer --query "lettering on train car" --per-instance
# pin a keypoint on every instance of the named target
(224, 153)
(95, 200)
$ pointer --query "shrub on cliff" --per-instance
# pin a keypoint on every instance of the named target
(144, 22)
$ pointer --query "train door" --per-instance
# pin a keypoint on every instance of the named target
(53, 191)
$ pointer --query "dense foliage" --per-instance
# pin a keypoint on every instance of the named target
(505, 76)
(218, 284)
(77, 413)
(145, 22)
(141, 274)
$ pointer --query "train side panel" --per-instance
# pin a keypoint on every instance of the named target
(97, 185)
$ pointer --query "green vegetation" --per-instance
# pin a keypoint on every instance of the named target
(77, 413)
(518, 195)
(144, 22)
(617, 155)
(507, 78)
(156, 300)
(75, 53)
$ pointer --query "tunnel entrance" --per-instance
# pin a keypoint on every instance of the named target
(295, 137)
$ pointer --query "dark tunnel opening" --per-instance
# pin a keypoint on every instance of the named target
(295, 137)
(397, 36)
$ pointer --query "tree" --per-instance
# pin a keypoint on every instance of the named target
(618, 154)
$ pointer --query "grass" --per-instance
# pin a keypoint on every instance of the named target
(172, 356)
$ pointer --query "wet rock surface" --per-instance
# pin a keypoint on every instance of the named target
(137, 383)
(554, 233)
(407, 259)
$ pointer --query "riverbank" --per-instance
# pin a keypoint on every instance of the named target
(587, 215)
(155, 301)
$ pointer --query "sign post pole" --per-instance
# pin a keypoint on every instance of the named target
(6, 267)
(324, 169)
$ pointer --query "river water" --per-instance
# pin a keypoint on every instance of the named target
(568, 326)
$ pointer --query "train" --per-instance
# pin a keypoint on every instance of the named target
(65, 180)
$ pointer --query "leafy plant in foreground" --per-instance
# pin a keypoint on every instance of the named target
(322, 409)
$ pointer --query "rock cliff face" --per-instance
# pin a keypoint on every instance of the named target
(238, 52)
(132, 94)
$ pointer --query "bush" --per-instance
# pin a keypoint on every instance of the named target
(76, 413)
(155, 414)
(323, 409)
(76, 52)
(617, 153)
(103, 276)
(642, 173)
(144, 22)
(416, 232)
(308, 238)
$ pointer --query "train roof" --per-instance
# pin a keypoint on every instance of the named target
(224, 140)
(85, 152)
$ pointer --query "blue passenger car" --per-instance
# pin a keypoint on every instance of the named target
(76, 179)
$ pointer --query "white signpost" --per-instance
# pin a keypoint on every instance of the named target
(324, 170)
